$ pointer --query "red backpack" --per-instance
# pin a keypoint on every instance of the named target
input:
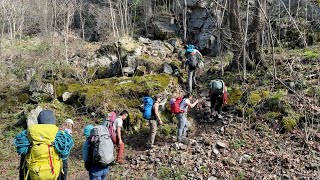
(175, 105)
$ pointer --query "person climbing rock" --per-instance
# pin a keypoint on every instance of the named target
(218, 97)
(182, 117)
(192, 64)
(117, 139)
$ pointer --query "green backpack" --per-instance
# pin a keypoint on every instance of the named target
(217, 86)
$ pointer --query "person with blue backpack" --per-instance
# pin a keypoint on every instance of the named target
(151, 113)
(192, 64)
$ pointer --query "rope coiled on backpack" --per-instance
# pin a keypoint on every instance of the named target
(22, 143)
(63, 143)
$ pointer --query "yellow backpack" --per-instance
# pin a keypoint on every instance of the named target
(43, 160)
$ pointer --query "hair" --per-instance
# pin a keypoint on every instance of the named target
(124, 112)
(188, 95)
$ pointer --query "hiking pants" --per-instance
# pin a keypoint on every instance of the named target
(216, 103)
(153, 130)
(65, 170)
(98, 173)
(191, 79)
(182, 126)
(115, 140)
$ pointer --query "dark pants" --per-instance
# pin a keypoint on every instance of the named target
(23, 170)
(216, 103)
(64, 175)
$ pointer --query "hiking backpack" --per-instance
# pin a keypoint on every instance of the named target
(43, 161)
(101, 146)
(217, 86)
(111, 121)
(147, 107)
(192, 62)
(190, 48)
(175, 105)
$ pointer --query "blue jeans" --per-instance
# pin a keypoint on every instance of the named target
(182, 126)
(98, 173)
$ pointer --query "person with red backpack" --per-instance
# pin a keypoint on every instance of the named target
(117, 139)
(218, 96)
(180, 107)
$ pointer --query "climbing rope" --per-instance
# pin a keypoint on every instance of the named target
(22, 143)
(63, 143)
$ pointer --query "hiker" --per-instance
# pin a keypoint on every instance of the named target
(192, 64)
(97, 151)
(67, 127)
(182, 116)
(151, 113)
(117, 139)
(50, 144)
(218, 97)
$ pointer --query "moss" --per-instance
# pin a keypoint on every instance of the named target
(288, 123)
(121, 93)
(311, 54)
(272, 115)
(60, 89)
(23, 98)
(167, 129)
(235, 95)
(256, 97)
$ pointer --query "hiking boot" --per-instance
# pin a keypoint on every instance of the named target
(120, 161)
(214, 114)
(219, 116)
(185, 141)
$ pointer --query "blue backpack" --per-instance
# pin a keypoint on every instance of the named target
(147, 110)
(190, 48)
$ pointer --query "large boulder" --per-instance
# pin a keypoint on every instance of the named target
(33, 115)
(164, 30)
(127, 44)
(38, 86)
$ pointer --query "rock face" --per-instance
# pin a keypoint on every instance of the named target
(163, 27)
(38, 86)
(32, 117)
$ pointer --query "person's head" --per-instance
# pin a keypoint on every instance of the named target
(157, 98)
(124, 114)
(68, 123)
(188, 95)
(193, 53)
(87, 130)
(46, 117)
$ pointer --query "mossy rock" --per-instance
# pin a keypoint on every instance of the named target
(277, 102)
(127, 44)
(255, 97)
(235, 95)
(23, 98)
(123, 92)
(289, 123)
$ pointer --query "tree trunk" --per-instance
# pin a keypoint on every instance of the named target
(236, 33)
(256, 30)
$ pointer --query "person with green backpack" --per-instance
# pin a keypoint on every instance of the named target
(218, 96)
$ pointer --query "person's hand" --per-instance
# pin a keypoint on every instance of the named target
(197, 101)
(160, 122)
(120, 141)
